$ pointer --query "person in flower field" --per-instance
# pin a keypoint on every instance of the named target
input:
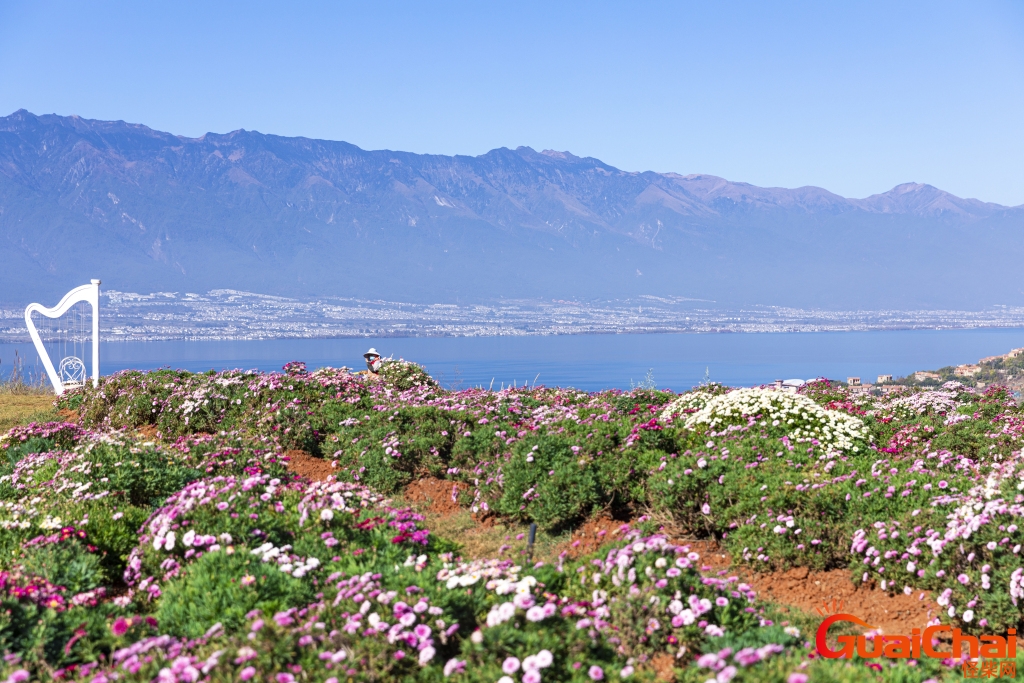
(373, 361)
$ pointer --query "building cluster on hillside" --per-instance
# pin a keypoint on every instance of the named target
(1007, 369)
(883, 385)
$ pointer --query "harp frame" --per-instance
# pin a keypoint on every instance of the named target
(90, 294)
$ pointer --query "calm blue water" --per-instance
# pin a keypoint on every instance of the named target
(676, 361)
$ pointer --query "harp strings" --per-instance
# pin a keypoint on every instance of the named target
(68, 340)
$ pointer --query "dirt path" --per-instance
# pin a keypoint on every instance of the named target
(809, 591)
(818, 592)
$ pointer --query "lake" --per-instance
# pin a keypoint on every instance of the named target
(591, 362)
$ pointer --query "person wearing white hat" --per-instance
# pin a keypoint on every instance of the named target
(373, 362)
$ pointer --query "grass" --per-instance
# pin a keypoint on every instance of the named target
(500, 539)
(22, 408)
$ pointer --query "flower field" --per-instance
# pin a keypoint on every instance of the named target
(160, 532)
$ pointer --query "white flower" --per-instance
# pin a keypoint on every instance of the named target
(326, 514)
(968, 614)
(169, 541)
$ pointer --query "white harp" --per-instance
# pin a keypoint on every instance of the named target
(90, 294)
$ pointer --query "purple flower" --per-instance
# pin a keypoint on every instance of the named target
(596, 673)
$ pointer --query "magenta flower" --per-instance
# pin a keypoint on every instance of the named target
(247, 673)
(119, 627)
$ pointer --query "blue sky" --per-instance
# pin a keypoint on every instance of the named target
(855, 98)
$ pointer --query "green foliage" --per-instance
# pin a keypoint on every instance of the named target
(211, 591)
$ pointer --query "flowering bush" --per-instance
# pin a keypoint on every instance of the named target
(403, 375)
(189, 550)
(798, 418)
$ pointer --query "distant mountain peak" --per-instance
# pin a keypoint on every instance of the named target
(555, 154)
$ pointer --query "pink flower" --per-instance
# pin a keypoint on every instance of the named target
(596, 673)
(400, 654)
(510, 665)
(247, 673)
(256, 625)
(964, 579)
(284, 678)
(797, 677)
(454, 666)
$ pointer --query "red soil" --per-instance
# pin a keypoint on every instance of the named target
(148, 432)
(308, 466)
(812, 591)
(436, 493)
(594, 533)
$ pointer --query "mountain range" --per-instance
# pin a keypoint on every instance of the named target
(147, 211)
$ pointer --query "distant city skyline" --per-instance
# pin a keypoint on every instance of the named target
(854, 99)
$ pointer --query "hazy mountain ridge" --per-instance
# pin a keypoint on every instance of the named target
(148, 210)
